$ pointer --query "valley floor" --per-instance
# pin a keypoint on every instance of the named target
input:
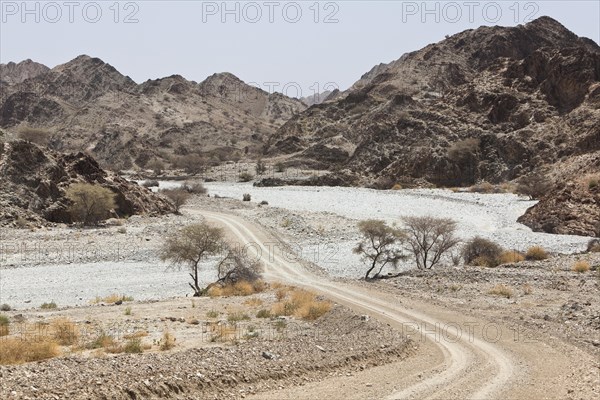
(538, 338)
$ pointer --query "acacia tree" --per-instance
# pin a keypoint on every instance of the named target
(190, 245)
(90, 203)
(236, 266)
(429, 238)
(379, 245)
(178, 197)
(534, 186)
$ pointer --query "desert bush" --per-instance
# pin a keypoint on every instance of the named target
(127, 311)
(264, 313)
(264, 203)
(190, 245)
(4, 325)
(150, 183)
(302, 304)
(481, 252)
(192, 164)
(237, 316)
(465, 154)
(592, 247)
(483, 187)
(501, 290)
(133, 346)
(379, 246)
(194, 188)
(64, 331)
(90, 204)
(429, 239)
(20, 350)
(167, 341)
(102, 341)
(246, 197)
(581, 266)
(536, 253)
(39, 136)
(212, 314)
(534, 186)
(261, 167)
(156, 165)
(527, 289)
(48, 306)
(112, 299)
(5, 307)
(245, 177)
(177, 196)
(511, 257)
(279, 167)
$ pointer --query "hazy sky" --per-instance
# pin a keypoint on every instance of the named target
(270, 43)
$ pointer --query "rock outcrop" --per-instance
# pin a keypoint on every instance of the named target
(33, 181)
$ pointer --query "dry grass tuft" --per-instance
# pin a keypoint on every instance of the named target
(64, 331)
(527, 289)
(536, 253)
(111, 299)
(4, 326)
(242, 288)
(168, 341)
(254, 302)
(581, 266)
(511, 257)
(302, 304)
(501, 290)
(20, 350)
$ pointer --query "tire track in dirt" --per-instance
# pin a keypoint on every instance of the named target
(456, 376)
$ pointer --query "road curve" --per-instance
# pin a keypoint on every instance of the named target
(470, 368)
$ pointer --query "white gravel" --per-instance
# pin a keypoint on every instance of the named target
(491, 216)
(25, 285)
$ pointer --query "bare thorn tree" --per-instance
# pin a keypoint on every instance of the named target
(379, 245)
(237, 266)
(190, 246)
(429, 238)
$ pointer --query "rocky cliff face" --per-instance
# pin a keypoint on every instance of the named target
(12, 73)
(487, 104)
(33, 181)
(88, 105)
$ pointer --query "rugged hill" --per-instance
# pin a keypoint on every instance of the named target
(87, 105)
(33, 181)
(488, 104)
(11, 73)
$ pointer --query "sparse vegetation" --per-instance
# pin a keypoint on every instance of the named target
(191, 245)
(263, 313)
(302, 304)
(212, 314)
(429, 239)
(511, 257)
(194, 187)
(237, 316)
(501, 290)
(167, 341)
(245, 177)
(21, 350)
(482, 252)
(90, 204)
(48, 306)
(64, 331)
(5, 307)
(536, 253)
(581, 266)
(534, 186)
(156, 165)
(113, 298)
(379, 246)
(592, 247)
(4, 325)
(177, 196)
(261, 167)
(246, 197)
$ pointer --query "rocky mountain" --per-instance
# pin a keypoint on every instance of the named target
(490, 104)
(317, 98)
(33, 181)
(87, 105)
(12, 74)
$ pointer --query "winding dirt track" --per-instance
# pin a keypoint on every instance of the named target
(459, 357)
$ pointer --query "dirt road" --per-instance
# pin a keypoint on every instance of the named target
(460, 357)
